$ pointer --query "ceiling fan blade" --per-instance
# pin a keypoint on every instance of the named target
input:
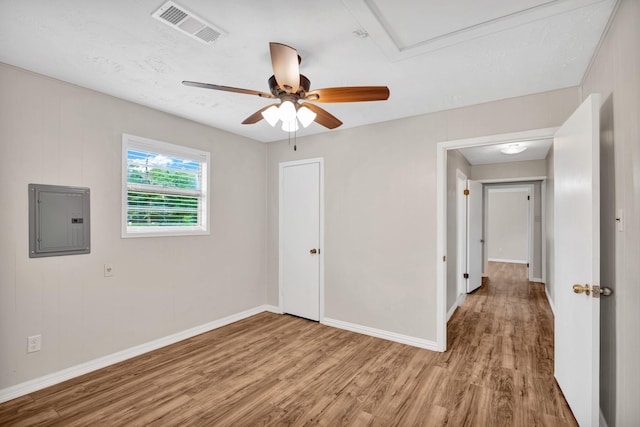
(349, 94)
(257, 116)
(228, 89)
(323, 117)
(286, 67)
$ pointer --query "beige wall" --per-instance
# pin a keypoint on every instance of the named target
(615, 74)
(507, 238)
(511, 170)
(56, 133)
(380, 221)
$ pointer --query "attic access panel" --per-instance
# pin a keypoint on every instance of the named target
(59, 222)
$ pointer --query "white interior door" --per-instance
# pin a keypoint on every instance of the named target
(474, 235)
(300, 202)
(577, 260)
(461, 230)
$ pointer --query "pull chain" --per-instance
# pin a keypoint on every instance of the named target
(295, 139)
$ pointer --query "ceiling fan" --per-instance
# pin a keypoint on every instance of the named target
(296, 99)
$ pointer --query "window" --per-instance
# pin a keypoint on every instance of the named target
(164, 189)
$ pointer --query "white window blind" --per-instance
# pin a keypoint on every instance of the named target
(164, 188)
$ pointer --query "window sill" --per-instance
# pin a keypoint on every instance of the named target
(164, 232)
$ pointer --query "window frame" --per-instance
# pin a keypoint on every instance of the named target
(172, 150)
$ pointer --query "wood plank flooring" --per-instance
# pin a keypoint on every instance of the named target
(281, 370)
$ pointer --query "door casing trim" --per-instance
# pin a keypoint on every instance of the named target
(441, 210)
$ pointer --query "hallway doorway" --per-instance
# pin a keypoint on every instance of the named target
(538, 142)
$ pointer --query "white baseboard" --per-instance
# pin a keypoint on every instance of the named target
(379, 333)
(272, 309)
(102, 362)
(546, 292)
(537, 279)
(456, 304)
(512, 261)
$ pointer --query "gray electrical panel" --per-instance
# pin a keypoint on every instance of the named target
(59, 222)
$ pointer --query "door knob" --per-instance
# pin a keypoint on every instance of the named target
(313, 251)
(578, 289)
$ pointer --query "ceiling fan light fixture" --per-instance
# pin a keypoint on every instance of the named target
(306, 116)
(287, 111)
(271, 115)
(290, 125)
(513, 149)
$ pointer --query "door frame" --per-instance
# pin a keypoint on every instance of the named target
(441, 209)
(527, 188)
(281, 166)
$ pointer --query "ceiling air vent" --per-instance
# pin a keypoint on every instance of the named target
(188, 23)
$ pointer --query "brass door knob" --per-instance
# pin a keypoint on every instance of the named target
(578, 289)
(313, 251)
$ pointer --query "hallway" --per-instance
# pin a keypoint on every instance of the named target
(500, 342)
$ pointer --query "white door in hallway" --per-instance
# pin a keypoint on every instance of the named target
(474, 235)
(577, 260)
(300, 237)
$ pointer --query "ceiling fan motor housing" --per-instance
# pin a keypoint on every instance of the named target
(305, 85)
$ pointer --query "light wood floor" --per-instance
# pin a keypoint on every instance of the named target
(281, 370)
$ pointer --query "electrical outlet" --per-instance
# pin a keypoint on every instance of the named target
(34, 343)
(108, 270)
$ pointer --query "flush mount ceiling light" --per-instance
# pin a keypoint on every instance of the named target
(513, 149)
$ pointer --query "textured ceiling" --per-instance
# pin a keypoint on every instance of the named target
(433, 55)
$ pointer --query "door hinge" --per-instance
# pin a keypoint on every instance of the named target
(444, 258)
(466, 275)
(466, 192)
(527, 265)
(528, 197)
